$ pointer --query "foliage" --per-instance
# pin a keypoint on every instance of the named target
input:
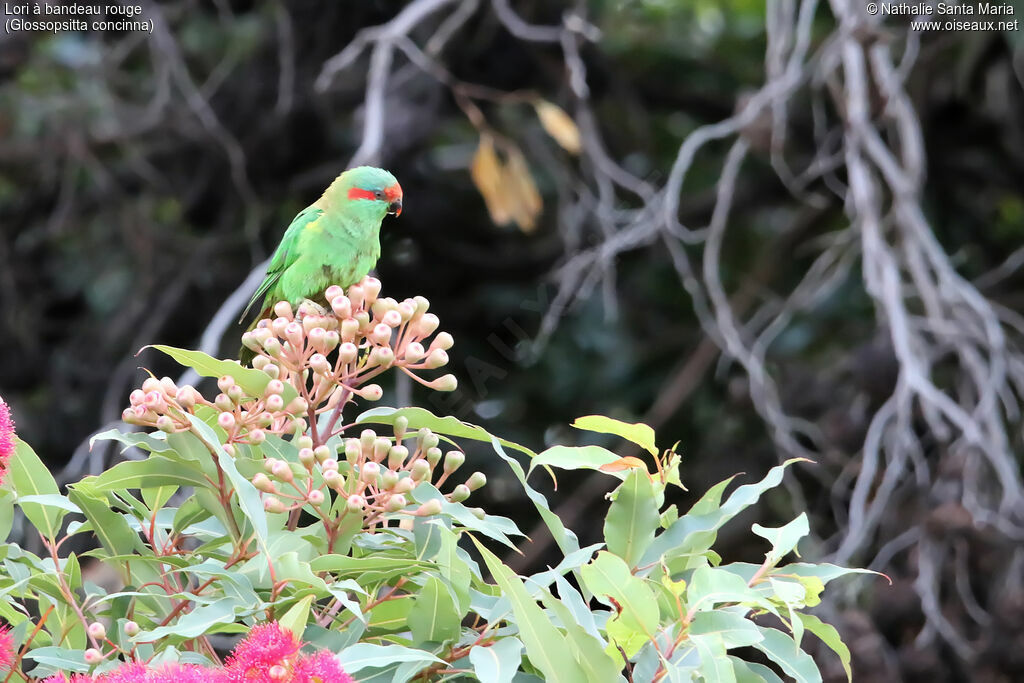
(257, 506)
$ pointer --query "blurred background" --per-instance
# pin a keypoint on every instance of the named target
(793, 229)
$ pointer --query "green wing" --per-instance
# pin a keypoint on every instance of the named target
(285, 254)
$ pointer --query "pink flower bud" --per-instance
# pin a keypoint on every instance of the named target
(152, 384)
(316, 335)
(443, 341)
(278, 326)
(352, 450)
(414, 352)
(257, 436)
(405, 484)
(478, 513)
(306, 457)
(137, 397)
(397, 456)
(349, 329)
(269, 463)
(273, 504)
(131, 629)
(223, 403)
(348, 352)
(453, 460)
(428, 323)
(371, 392)
(371, 288)
(293, 333)
(283, 309)
(367, 437)
(224, 382)
(355, 503)
(273, 348)
(316, 497)
(476, 481)
(283, 471)
(363, 318)
(433, 455)
(421, 304)
(420, 470)
(381, 446)
(265, 419)
(382, 356)
(93, 656)
(154, 400)
(165, 424)
(97, 630)
(272, 369)
(250, 342)
(406, 309)
(187, 396)
(261, 334)
(297, 406)
(388, 480)
(436, 359)
(274, 403)
(142, 412)
(396, 502)
(319, 364)
(342, 307)
(329, 464)
(235, 393)
(369, 472)
(333, 479)
(331, 340)
(392, 318)
(262, 483)
(226, 421)
(128, 416)
(356, 296)
(431, 507)
(400, 425)
(444, 383)
(170, 388)
(381, 334)
(333, 292)
(460, 493)
(322, 454)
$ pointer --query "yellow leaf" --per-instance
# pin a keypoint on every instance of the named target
(486, 172)
(627, 463)
(524, 200)
(559, 125)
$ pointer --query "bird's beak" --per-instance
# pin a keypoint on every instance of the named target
(395, 207)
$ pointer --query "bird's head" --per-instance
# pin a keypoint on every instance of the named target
(369, 184)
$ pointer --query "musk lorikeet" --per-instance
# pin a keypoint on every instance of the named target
(333, 241)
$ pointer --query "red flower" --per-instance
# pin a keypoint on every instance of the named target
(6, 438)
(6, 643)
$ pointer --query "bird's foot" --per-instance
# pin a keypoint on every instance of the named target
(310, 307)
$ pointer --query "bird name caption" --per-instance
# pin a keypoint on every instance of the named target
(36, 16)
(945, 16)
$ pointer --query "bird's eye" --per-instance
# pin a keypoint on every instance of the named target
(379, 194)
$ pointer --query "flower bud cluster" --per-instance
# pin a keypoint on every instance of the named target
(374, 475)
(317, 360)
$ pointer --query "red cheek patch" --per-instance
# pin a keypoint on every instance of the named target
(394, 192)
(356, 193)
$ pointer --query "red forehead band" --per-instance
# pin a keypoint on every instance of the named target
(391, 193)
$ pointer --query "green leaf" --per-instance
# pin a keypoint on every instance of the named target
(637, 432)
(30, 477)
(296, 618)
(434, 617)
(248, 497)
(381, 568)
(253, 382)
(54, 500)
(154, 471)
(588, 650)
(632, 518)
(784, 538)
(450, 426)
(695, 531)
(148, 442)
(546, 646)
(365, 655)
(492, 526)
(111, 528)
(733, 628)
(711, 586)
(609, 579)
(497, 662)
(391, 615)
(714, 664)
(576, 458)
(197, 622)
(830, 636)
(749, 672)
(783, 651)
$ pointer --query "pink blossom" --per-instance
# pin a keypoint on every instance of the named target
(6, 438)
(320, 667)
(6, 644)
(266, 645)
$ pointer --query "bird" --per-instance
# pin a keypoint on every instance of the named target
(333, 241)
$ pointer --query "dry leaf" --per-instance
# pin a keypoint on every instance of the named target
(523, 198)
(487, 175)
(627, 463)
(559, 125)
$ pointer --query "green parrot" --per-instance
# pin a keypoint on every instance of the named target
(333, 241)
